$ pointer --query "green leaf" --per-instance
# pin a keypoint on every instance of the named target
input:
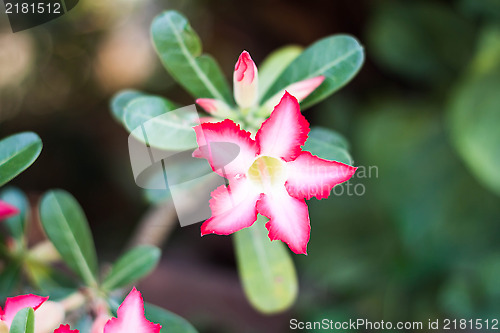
(132, 266)
(474, 112)
(169, 321)
(120, 101)
(16, 224)
(488, 55)
(473, 118)
(180, 51)
(163, 127)
(338, 58)
(67, 228)
(275, 64)
(9, 279)
(24, 321)
(328, 144)
(266, 269)
(17, 153)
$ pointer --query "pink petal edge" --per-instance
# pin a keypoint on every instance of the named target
(288, 219)
(284, 132)
(245, 68)
(233, 208)
(225, 132)
(14, 304)
(65, 329)
(130, 317)
(310, 176)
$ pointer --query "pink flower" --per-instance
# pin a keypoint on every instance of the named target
(131, 317)
(14, 304)
(7, 210)
(246, 90)
(65, 329)
(271, 175)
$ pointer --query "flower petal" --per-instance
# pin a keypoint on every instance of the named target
(245, 80)
(300, 90)
(65, 329)
(225, 160)
(284, 132)
(233, 208)
(310, 176)
(215, 107)
(14, 304)
(7, 210)
(288, 219)
(131, 317)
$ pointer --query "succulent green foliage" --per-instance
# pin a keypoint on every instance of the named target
(274, 64)
(24, 321)
(132, 266)
(474, 113)
(151, 117)
(16, 224)
(120, 101)
(338, 58)
(180, 51)
(328, 144)
(67, 228)
(266, 269)
(17, 153)
(169, 321)
(10, 279)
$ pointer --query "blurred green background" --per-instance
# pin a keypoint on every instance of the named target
(423, 119)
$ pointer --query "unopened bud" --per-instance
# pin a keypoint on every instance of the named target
(300, 90)
(215, 107)
(245, 81)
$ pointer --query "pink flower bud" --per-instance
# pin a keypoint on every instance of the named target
(245, 80)
(7, 210)
(215, 107)
(299, 90)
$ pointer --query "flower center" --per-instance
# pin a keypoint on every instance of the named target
(267, 171)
